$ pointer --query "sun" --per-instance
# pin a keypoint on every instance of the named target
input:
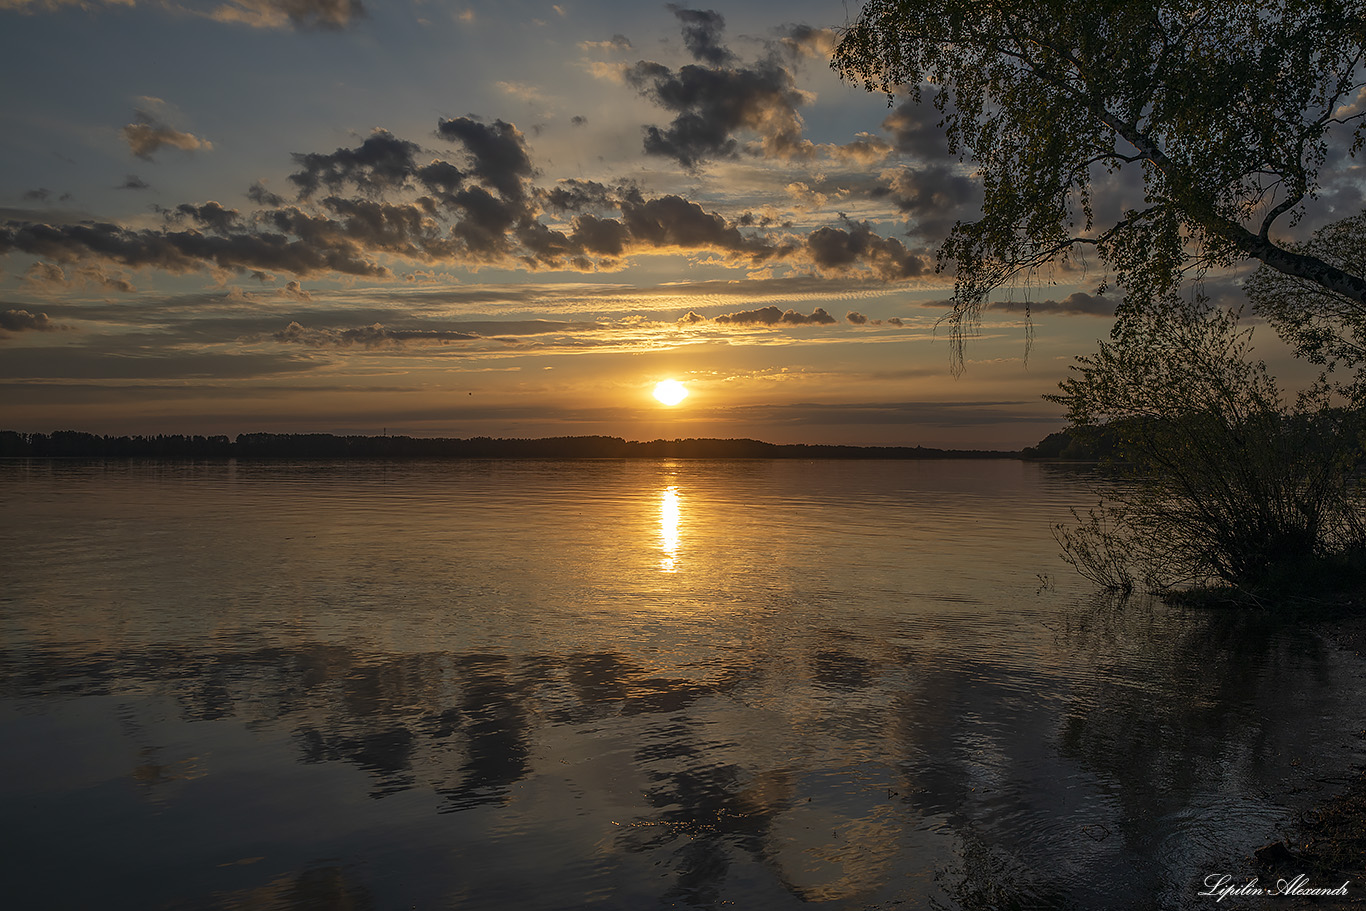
(671, 392)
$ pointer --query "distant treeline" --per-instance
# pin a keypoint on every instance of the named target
(1083, 444)
(73, 444)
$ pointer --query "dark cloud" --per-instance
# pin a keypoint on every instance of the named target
(484, 223)
(750, 219)
(672, 221)
(578, 120)
(714, 104)
(934, 197)
(858, 319)
(367, 336)
(12, 322)
(484, 209)
(501, 159)
(189, 251)
(133, 182)
(772, 316)
(582, 195)
(382, 162)
(147, 134)
(361, 228)
(702, 31)
(858, 246)
(1077, 303)
(717, 99)
(600, 236)
(258, 194)
(915, 130)
(39, 195)
(209, 215)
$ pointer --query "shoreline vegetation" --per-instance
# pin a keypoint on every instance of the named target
(264, 446)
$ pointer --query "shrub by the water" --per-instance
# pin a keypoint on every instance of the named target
(1224, 482)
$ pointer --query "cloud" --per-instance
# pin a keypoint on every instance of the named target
(615, 43)
(367, 336)
(1079, 303)
(702, 31)
(382, 162)
(672, 221)
(499, 151)
(807, 41)
(712, 105)
(935, 197)
(148, 134)
(326, 15)
(133, 182)
(211, 215)
(915, 130)
(43, 276)
(12, 322)
(865, 149)
(523, 91)
(39, 195)
(580, 195)
(258, 194)
(179, 252)
(858, 319)
(858, 246)
(772, 316)
(291, 14)
(716, 100)
(358, 206)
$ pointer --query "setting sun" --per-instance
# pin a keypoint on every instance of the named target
(671, 392)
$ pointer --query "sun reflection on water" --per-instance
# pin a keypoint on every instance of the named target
(668, 529)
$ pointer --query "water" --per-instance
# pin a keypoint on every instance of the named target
(622, 685)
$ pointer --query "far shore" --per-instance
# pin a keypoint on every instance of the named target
(75, 444)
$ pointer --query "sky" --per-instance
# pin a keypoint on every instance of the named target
(503, 219)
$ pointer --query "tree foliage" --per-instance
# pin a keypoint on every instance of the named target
(1229, 481)
(1325, 328)
(1225, 109)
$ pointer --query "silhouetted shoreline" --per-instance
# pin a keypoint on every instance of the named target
(75, 444)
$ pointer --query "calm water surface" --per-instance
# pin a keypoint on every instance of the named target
(622, 685)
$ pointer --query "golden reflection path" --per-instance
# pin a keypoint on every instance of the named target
(668, 529)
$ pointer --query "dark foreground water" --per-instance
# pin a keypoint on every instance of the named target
(626, 685)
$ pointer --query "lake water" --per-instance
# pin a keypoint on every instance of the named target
(623, 685)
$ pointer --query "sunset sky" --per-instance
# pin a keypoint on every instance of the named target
(501, 219)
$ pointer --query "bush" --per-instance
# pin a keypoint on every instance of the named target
(1226, 483)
